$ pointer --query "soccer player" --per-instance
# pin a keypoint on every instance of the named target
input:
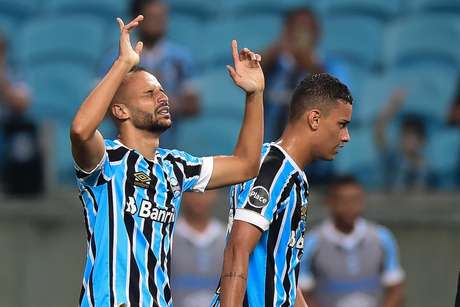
(268, 214)
(131, 189)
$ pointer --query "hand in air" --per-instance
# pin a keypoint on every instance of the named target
(129, 54)
(246, 73)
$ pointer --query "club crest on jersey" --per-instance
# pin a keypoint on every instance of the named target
(258, 197)
(175, 186)
(142, 180)
(304, 212)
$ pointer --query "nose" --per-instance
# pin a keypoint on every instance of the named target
(345, 137)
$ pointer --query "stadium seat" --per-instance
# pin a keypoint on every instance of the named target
(356, 39)
(201, 9)
(428, 94)
(244, 7)
(19, 9)
(360, 157)
(107, 9)
(219, 95)
(58, 89)
(184, 30)
(255, 32)
(75, 38)
(423, 38)
(207, 136)
(382, 10)
(443, 155)
(447, 6)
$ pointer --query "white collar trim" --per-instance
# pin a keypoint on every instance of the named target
(302, 173)
(346, 241)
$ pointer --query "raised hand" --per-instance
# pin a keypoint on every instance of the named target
(127, 53)
(247, 73)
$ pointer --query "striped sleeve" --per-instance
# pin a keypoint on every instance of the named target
(392, 272)
(259, 206)
(101, 173)
(196, 171)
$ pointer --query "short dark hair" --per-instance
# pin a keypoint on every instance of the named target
(317, 90)
(138, 68)
(342, 180)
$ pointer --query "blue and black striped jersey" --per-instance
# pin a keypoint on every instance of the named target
(130, 208)
(276, 202)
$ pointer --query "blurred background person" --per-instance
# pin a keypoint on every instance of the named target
(404, 164)
(199, 244)
(289, 58)
(170, 62)
(22, 167)
(348, 260)
(454, 112)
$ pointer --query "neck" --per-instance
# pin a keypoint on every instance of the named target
(197, 223)
(142, 141)
(296, 146)
(344, 227)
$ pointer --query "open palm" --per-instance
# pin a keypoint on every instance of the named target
(247, 73)
(127, 52)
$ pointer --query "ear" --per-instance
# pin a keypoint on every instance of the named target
(120, 111)
(313, 118)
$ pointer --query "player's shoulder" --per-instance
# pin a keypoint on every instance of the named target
(115, 150)
(384, 234)
(175, 155)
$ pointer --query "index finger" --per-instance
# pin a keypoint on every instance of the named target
(236, 57)
(134, 23)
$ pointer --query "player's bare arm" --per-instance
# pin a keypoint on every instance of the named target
(245, 161)
(87, 142)
(243, 239)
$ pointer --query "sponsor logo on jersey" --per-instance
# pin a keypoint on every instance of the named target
(147, 211)
(258, 197)
(142, 180)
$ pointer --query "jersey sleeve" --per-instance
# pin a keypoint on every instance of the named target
(258, 203)
(100, 174)
(306, 276)
(392, 273)
(196, 171)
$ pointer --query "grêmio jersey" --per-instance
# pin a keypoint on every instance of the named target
(130, 208)
(275, 202)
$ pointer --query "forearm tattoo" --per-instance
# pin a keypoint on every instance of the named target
(234, 275)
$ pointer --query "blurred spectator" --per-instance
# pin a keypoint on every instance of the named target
(22, 167)
(404, 163)
(285, 63)
(454, 114)
(199, 244)
(350, 261)
(170, 63)
(454, 120)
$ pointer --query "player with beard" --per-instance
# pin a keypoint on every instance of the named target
(131, 189)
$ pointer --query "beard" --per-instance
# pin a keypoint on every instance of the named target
(146, 121)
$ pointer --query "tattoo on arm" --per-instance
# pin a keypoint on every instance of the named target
(234, 275)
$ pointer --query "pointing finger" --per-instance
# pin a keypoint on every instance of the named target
(236, 58)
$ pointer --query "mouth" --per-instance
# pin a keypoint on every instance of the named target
(163, 109)
(339, 148)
